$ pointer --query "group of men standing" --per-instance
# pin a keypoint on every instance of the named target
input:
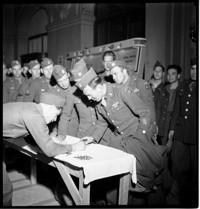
(114, 108)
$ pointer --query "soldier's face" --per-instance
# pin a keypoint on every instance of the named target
(158, 73)
(17, 71)
(118, 75)
(48, 71)
(172, 75)
(107, 58)
(64, 81)
(95, 94)
(193, 73)
(35, 71)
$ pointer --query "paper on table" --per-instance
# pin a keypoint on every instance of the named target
(68, 140)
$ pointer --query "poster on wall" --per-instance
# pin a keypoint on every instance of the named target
(60, 60)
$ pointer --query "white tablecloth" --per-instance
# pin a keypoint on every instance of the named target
(102, 162)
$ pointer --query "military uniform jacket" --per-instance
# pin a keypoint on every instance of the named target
(85, 110)
(71, 128)
(35, 87)
(184, 118)
(162, 109)
(11, 89)
(122, 110)
(157, 92)
(22, 118)
(143, 90)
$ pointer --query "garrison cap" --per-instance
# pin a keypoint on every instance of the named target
(158, 64)
(46, 62)
(81, 75)
(51, 98)
(33, 63)
(112, 64)
(15, 62)
(58, 71)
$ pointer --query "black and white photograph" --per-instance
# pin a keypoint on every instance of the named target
(100, 105)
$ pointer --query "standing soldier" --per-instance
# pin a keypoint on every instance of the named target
(63, 89)
(184, 139)
(140, 87)
(40, 84)
(34, 71)
(84, 108)
(11, 87)
(156, 82)
(165, 103)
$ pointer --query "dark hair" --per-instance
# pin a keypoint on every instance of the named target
(177, 67)
(95, 81)
(110, 53)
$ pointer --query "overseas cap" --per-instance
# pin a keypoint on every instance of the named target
(81, 75)
(46, 62)
(15, 62)
(33, 63)
(52, 99)
(158, 64)
(112, 64)
(58, 71)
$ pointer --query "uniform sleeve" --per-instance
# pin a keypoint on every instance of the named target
(100, 128)
(136, 105)
(66, 115)
(37, 127)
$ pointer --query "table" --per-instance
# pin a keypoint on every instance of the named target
(94, 163)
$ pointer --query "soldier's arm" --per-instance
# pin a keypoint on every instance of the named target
(66, 115)
(136, 105)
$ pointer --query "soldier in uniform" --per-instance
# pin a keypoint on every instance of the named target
(20, 119)
(118, 105)
(84, 108)
(165, 103)
(156, 82)
(63, 88)
(40, 84)
(184, 142)
(140, 87)
(34, 71)
(12, 85)
(5, 70)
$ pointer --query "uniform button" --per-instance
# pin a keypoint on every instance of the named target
(92, 115)
(186, 109)
(113, 121)
(187, 102)
(117, 127)
(58, 90)
(93, 123)
(108, 113)
(122, 132)
(185, 117)
(189, 95)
